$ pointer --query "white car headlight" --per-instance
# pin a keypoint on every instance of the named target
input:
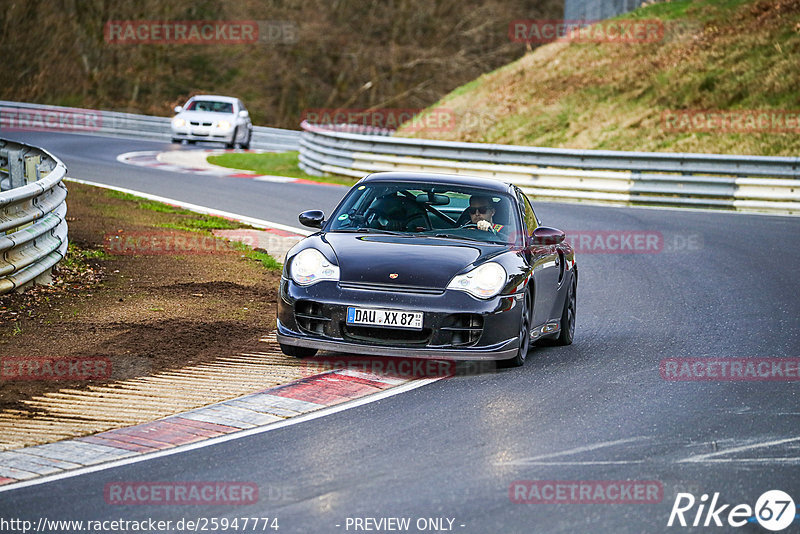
(225, 125)
(310, 267)
(178, 122)
(484, 281)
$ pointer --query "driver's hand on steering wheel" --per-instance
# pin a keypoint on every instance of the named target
(484, 225)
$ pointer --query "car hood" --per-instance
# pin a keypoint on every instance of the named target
(421, 262)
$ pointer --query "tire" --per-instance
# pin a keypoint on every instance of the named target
(524, 335)
(297, 352)
(232, 144)
(176, 140)
(567, 333)
(246, 144)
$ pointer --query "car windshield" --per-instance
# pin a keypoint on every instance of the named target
(437, 210)
(210, 105)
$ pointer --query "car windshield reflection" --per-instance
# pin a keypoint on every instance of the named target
(437, 211)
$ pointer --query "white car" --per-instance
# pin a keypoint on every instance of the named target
(213, 118)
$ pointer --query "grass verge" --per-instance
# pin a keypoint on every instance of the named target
(715, 55)
(274, 164)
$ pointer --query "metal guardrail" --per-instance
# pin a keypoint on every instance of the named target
(744, 183)
(33, 228)
(597, 9)
(38, 117)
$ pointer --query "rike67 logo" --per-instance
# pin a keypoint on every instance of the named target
(774, 510)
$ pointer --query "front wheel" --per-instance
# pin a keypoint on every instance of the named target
(232, 144)
(246, 144)
(524, 335)
(297, 352)
(567, 333)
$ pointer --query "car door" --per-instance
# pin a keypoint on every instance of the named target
(544, 261)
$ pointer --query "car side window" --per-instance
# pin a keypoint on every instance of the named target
(531, 223)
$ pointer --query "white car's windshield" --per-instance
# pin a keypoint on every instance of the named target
(210, 105)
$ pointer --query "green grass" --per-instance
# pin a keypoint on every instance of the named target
(274, 164)
(257, 255)
(76, 257)
(202, 223)
(188, 221)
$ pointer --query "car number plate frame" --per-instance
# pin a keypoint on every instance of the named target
(384, 318)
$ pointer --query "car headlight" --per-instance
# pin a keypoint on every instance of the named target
(484, 281)
(178, 122)
(310, 267)
(225, 125)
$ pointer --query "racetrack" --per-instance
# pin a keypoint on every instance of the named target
(722, 285)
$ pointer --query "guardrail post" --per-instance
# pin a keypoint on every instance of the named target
(32, 168)
(16, 168)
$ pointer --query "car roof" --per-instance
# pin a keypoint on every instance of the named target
(438, 178)
(215, 97)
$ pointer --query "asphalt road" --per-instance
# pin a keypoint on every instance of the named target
(723, 285)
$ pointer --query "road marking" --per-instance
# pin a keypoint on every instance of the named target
(704, 457)
(534, 460)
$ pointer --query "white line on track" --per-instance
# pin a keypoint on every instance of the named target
(705, 457)
(534, 460)
(228, 437)
(258, 223)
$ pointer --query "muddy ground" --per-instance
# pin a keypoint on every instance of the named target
(145, 286)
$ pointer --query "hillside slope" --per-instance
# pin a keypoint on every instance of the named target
(730, 55)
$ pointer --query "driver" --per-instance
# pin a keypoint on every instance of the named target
(481, 210)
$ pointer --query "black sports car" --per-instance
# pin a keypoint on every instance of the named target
(428, 265)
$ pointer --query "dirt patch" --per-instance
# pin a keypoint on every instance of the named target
(145, 311)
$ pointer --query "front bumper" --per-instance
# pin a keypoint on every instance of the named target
(201, 133)
(455, 325)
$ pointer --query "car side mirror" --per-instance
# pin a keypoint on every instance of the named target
(178, 109)
(544, 235)
(244, 113)
(312, 218)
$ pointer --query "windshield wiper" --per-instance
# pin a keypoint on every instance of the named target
(468, 238)
(368, 230)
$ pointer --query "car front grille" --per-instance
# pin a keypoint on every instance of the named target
(310, 317)
(463, 329)
(387, 336)
(193, 123)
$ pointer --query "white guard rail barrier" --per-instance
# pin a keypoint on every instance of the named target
(20, 116)
(742, 183)
(33, 209)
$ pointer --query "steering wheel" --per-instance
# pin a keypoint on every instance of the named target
(474, 226)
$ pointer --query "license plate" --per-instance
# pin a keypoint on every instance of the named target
(388, 318)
